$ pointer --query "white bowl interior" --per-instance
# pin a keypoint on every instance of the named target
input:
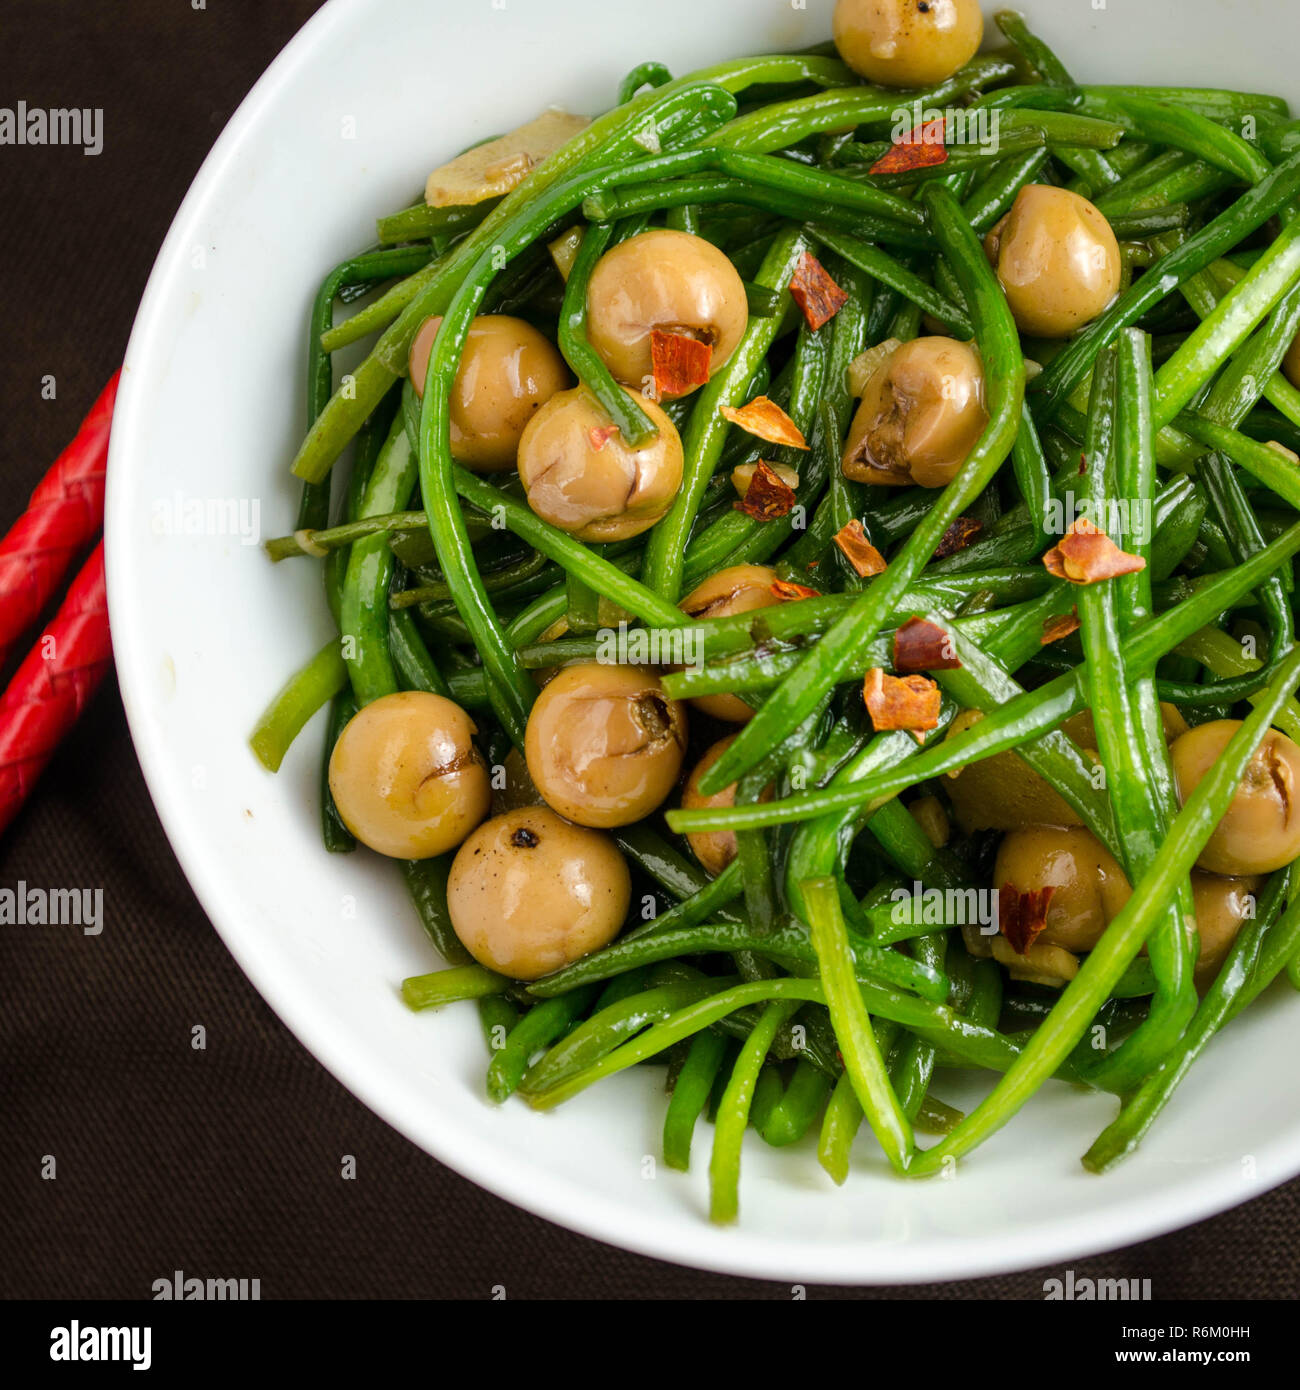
(344, 127)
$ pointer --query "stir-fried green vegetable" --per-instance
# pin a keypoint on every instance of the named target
(882, 649)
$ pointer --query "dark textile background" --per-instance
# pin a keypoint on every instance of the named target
(225, 1162)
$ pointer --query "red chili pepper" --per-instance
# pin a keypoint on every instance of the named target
(65, 513)
(813, 290)
(53, 685)
(922, 147)
(679, 363)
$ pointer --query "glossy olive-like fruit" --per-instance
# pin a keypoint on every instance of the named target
(605, 743)
(736, 589)
(1223, 905)
(1004, 793)
(1090, 885)
(507, 372)
(907, 43)
(586, 480)
(406, 777)
(529, 893)
(715, 849)
(920, 415)
(667, 280)
(1056, 259)
(1260, 831)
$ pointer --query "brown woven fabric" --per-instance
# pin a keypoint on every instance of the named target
(225, 1161)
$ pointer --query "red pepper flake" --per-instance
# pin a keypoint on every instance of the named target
(858, 550)
(1083, 464)
(765, 419)
(958, 536)
(679, 363)
(767, 498)
(815, 292)
(1022, 916)
(901, 702)
(601, 435)
(785, 590)
(921, 148)
(920, 645)
(1057, 628)
(1085, 555)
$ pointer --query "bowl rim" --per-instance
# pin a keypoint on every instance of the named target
(1151, 1213)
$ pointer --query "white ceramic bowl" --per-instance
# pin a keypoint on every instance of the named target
(343, 127)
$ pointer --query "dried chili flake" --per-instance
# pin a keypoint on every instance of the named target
(1022, 916)
(785, 589)
(920, 645)
(922, 147)
(1057, 628)
(601, 435)
(858, 550)
(764, 419)
(679, 363)
(1085, 555)
(815, 292)
(958, 536)
(901, 702)
(743, 475)
(767, 497)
